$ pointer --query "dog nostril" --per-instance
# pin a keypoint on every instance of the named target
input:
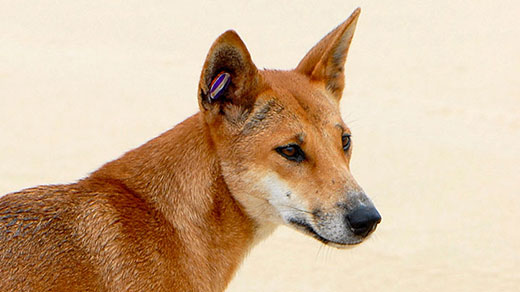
(363, 220)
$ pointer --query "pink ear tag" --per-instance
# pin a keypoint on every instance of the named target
(218, 85)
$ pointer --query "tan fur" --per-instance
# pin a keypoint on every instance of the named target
(180, 212)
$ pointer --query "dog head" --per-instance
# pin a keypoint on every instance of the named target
(283, 148)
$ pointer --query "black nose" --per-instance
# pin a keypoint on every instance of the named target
(363, 220)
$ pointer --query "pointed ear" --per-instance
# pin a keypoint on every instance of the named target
(229, 77)
(325, 62)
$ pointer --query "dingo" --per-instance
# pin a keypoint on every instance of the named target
(180, 212)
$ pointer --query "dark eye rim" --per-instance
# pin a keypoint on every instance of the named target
(298, 155)
(346, 147)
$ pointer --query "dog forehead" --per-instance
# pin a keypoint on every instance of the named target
(302, 97)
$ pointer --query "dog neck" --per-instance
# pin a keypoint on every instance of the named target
(178, 175)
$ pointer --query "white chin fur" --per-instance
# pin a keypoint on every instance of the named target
(274, 203)
(285, 201)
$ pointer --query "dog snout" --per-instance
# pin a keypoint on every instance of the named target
(362, 220)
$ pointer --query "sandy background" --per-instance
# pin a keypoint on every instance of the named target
(433, 98)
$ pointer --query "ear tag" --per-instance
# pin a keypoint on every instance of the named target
(218, 85)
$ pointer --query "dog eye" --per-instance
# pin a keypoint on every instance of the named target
(345, 139)
(292, 152)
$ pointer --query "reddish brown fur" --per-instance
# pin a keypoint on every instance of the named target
(140, 223)
(171, 214)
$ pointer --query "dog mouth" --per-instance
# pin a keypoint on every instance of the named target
(307, 228)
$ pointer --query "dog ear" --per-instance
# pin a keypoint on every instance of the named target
(325, 62)
(229, 78)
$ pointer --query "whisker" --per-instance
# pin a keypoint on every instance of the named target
(281, 205)
(316, 258)
(297, 209)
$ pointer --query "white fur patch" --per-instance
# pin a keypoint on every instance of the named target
(284, 199)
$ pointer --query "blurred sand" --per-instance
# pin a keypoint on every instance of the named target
(433, 98)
